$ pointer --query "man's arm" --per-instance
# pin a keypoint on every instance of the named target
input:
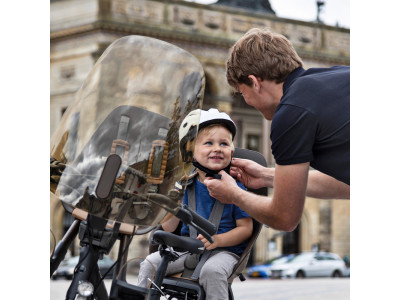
(283, 211)
(324, 186)
(319, 184)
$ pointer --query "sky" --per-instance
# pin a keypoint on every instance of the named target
(333, 12)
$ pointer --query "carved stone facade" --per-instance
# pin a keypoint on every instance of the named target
(81, 30)
(258, 5)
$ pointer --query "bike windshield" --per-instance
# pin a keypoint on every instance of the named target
(131, 104)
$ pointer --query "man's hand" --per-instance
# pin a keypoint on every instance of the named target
(251, 174)
(222, 189)
(207, 244)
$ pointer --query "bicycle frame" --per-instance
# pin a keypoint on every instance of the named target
(97, 239)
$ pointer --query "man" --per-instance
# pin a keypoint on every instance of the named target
(310, 113)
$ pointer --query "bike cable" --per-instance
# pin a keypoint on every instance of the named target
(118, 260)
(87, 252)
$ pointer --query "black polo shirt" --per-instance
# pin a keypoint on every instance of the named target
(312, 121)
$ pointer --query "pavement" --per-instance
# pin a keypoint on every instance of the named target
(258, 289)
(292, 289)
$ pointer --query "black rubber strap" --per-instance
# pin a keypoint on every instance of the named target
(211, 173)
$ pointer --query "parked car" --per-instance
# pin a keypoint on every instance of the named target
(262, 269)
(310, 264)
(66, 268)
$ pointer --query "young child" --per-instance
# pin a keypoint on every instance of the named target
(213, 151)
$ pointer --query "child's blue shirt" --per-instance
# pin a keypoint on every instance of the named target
(204, 205)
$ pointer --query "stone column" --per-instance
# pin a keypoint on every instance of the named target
(325, 224)
(266, 143)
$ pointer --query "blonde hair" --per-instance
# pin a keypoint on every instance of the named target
(264, 54)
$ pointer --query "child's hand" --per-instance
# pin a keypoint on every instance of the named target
(207, 244)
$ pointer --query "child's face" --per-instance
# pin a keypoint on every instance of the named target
(213, 148)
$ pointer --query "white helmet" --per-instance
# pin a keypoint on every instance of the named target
(187, 134)
(193, 122)
(213, 116)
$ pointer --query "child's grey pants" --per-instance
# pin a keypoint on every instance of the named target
(213, 276)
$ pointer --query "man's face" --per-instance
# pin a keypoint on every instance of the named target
(262, 97)
(213, 148)
(248, 94)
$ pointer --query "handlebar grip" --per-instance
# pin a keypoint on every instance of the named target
(202, 225)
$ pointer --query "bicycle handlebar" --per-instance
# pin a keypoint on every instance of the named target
(202, 225)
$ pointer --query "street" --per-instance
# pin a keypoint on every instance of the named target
(259, 289)
(292, 289)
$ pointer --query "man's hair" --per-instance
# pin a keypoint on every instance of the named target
(264, 54)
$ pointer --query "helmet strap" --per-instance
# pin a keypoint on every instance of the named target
(210, 173)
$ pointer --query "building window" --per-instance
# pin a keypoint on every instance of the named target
(291, 241)
(253, 142)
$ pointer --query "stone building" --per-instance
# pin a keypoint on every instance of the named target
(81, 30)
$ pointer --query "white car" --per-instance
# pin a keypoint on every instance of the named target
(310, 264)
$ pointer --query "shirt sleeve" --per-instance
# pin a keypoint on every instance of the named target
(293, 132)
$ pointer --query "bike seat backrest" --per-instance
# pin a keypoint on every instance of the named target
(260, 159)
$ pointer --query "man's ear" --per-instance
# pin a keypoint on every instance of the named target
(254, 82)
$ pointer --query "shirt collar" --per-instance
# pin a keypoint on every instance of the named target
(292, 77)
